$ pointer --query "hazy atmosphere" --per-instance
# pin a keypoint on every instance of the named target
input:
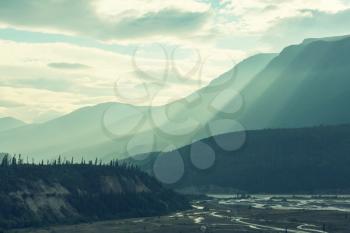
(58, 56)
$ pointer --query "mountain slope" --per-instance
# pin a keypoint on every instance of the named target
(221, 92)
(112, 129)
(332, 38)
(305, 85)
(271, 161)
(8, 123)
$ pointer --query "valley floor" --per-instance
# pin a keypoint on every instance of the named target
(223, 215)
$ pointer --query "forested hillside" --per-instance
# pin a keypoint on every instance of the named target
(305, 160)
(61, 192)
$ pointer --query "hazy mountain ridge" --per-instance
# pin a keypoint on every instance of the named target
(304, 85)
(8, 123)
(93, 131)
(331, 38)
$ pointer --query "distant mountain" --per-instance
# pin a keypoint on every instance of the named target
(75, 131)
(112, 129)
(305, 85)
(304, 160)
(8, 123)
(332, 38)
(222, 94)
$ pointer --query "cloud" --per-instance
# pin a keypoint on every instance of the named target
(72, 76)
(67, 66)
(316, 25)
(269, 25)
(45, 92)
(167, 22)
(51, 84)
(27, 76)
(9, 104)
(257, 16)
(35, 103)
(180, 21)
(92, 17)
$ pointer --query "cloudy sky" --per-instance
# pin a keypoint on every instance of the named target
(60, 55)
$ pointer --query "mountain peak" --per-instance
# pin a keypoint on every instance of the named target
(7, 123)
(332, 38)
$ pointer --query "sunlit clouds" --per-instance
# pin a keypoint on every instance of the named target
(61, 55)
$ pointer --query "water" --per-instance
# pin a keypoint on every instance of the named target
(290, 202)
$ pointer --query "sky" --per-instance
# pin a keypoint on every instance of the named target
(60, 55)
